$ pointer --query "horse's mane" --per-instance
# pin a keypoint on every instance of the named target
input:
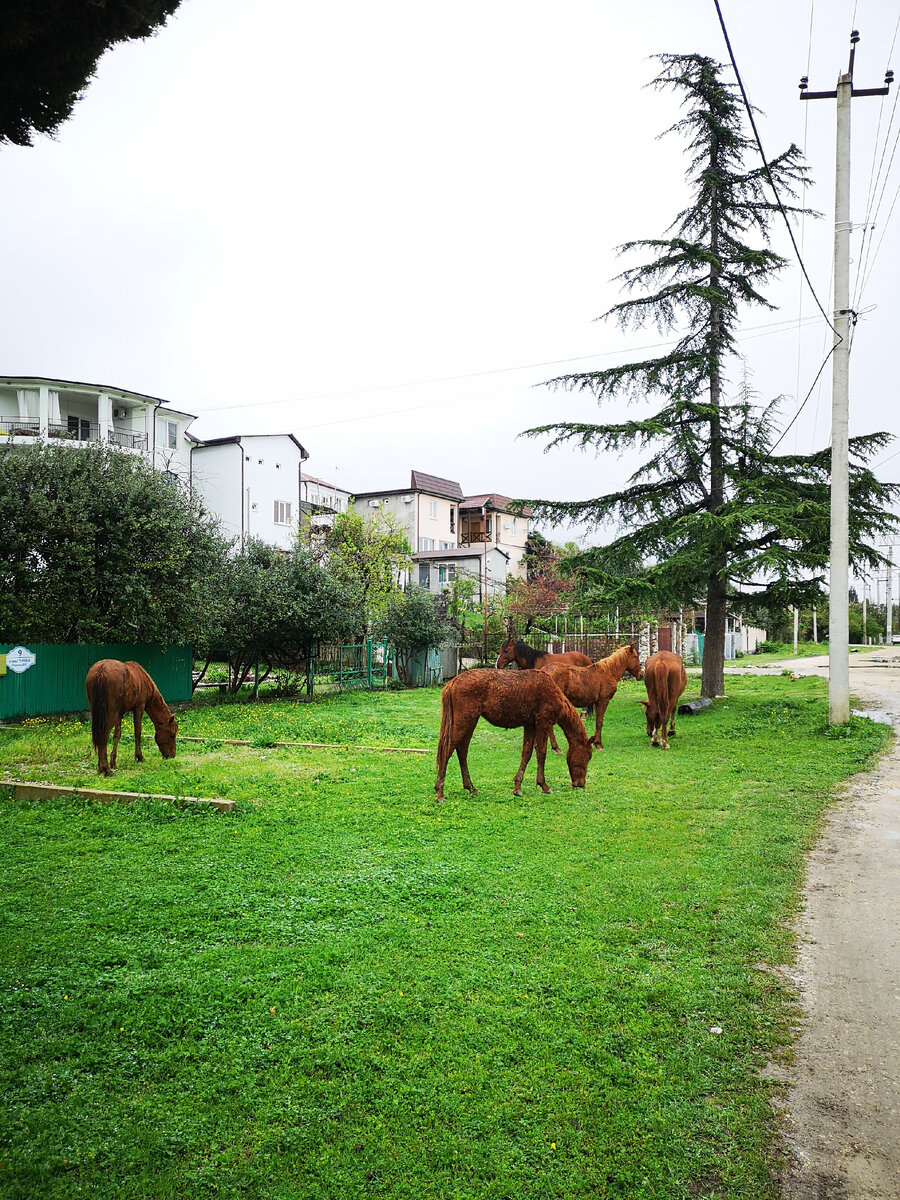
(529, 654)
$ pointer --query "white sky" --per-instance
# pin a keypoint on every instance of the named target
(377, 226)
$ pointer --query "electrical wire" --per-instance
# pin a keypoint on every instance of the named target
(806, 398)
(752, 331)
(768, 169)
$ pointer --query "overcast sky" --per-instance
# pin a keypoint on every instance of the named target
(378, 226)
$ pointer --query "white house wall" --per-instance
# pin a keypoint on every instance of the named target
(241, 481)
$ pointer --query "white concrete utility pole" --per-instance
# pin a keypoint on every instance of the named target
(839, 581)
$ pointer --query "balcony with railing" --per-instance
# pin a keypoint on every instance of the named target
(19, 427)
(77, 429)
(129, 441)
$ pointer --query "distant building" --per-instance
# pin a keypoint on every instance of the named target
(320, 501)
(252, 482)
(452, 535)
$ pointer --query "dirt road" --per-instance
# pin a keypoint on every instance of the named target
(842, 1107)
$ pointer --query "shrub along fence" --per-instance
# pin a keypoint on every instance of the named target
(36, 680)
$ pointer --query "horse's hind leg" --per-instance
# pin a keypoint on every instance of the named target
(541, 755)
(138, 714)
(462, 753)
(554, 744)
(117, 733)
(103, 767)
(528, 736)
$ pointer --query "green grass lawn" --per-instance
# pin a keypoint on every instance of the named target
(344, 989)
(786, 650)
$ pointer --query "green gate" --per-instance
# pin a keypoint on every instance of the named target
(36, 680)
(365, 664)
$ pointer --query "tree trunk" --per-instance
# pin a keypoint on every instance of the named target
(712, 682)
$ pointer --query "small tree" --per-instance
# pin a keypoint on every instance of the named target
(547, 591)
(98, 546)
(271, 608)
(414, 624)
(369, 556)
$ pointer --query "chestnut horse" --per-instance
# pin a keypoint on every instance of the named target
(527, 658)
(594, 686)
(532, 702)
(115, 688)
(665, 678)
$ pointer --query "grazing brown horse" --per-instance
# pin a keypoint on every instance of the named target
(532, 702)
(115, 688)
(666, 679)
(594, 686)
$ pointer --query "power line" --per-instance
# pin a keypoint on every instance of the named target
(752, 331)
(768, 169)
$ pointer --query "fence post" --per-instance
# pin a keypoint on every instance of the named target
(369, 663)
(310, 669)
(644, 639)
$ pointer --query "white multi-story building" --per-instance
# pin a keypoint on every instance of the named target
(253, 483)
(75, 414)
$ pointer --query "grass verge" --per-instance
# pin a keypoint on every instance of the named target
(346, 990)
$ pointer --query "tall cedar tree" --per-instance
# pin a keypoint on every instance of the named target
(711, 507)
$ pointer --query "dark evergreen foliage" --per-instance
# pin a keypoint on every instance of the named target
(49, 50)
(712, 513)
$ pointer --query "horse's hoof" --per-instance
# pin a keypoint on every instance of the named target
(517, 793)
(671, 733)
(547, 791)
(654, 745)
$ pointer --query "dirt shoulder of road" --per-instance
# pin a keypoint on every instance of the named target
(841, 1102)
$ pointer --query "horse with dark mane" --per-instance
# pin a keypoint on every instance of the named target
(509, 701)
(527, 658)
(594, 686)
(115, 688)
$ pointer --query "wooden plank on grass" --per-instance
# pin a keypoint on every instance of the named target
(309, 745)
(49, 791)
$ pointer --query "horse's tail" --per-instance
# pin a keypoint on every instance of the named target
(445, 738)
(99, 712)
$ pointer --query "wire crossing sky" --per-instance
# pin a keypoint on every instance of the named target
(381, 228)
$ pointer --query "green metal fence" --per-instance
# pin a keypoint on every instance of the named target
(365, 664)
(52, 680)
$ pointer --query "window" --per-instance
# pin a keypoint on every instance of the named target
(452, 519)
(79, 428)
(426, 543)
(447, 572)
(166, 434)
(512, 526)
(487, 526)
(432, 509)
(282, 512)
(446, 546)
(424, 575)
(337, 504)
